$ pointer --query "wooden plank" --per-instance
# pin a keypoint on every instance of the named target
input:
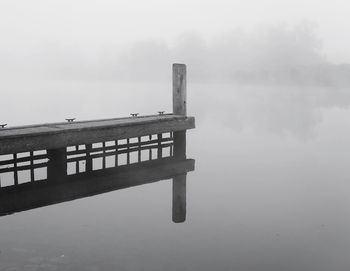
(59, 135)
(55, 128)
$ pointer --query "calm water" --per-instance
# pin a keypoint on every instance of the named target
(270, 190)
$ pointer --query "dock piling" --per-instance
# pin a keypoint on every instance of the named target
(57, 165)
(179, 89)
(179, 108)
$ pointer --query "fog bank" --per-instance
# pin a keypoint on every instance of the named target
(266, 54)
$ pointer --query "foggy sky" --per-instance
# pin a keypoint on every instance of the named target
(91, 23)
(268, 54)
(111, 39)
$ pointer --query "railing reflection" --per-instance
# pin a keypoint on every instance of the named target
(40, 178)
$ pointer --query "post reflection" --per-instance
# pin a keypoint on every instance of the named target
(179, 182)
(41, 178)
(179, 199)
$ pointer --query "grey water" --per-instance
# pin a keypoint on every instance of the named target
(270, 190)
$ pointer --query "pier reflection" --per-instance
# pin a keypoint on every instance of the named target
(40, 178)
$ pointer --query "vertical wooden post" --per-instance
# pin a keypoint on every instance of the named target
(128, 151)
(159, 149)
(172, 145)
(32, 175)
(179, 108)
(150, 149)
(179, 199)
(116, 153)
(88, 162)
(179, 182)
(179, 89)
(57, 165)
(180, 145)
(103, 155)
(77, 162)
(15, 171)
(139, 150)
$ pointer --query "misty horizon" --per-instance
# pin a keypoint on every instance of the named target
(278, 54)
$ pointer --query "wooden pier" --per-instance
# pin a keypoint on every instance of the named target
(86, 145)
(60, 135)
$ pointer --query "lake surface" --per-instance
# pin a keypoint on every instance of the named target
(270, 190)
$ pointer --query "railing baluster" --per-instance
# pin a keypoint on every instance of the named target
(77, 162)
(15, 172)
(103, 155)
(116, 153)
(160, 150)
(139, 151)
(32, 177)
(150, 150)
(128, 152)
(88, 161)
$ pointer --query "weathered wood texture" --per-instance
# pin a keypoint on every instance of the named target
(179, 89)
(43, 193)
(180, 144)
(59, 135)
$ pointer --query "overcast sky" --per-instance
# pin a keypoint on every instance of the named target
(92, 24)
